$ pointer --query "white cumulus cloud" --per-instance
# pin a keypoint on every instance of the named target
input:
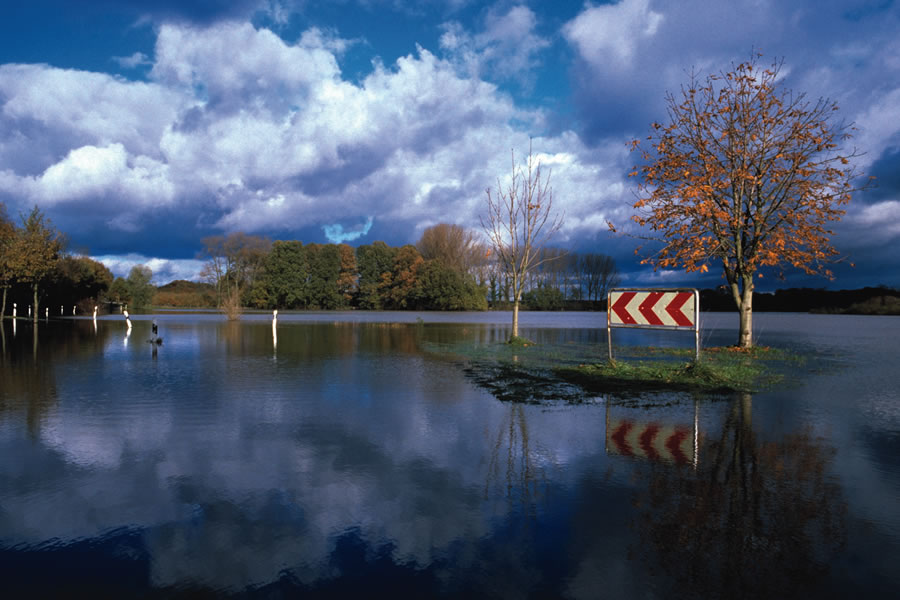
(609, 34)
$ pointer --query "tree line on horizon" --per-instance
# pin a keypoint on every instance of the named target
(449, 268)
(39, 277)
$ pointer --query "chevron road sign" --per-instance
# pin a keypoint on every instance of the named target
(657, 308)
(676, 309)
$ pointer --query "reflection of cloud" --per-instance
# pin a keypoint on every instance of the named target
(236, 470)
(232, 493)
(290, 457)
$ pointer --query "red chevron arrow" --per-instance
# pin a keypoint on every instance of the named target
(674, 309)
(621, 308)
(618, 437)
(646, 440)
(673, 445)
(646, 308)
(653, 441)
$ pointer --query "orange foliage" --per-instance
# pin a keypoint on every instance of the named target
(746, 174)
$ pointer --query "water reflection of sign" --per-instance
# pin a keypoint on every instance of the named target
(652, 440)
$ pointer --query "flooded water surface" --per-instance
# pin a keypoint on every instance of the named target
(355, 454)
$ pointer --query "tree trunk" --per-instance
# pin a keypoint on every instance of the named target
(515, 322)
(3, 305)
(745, 335)
(35, 288)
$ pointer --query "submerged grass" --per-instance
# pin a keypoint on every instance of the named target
(718, 370)
(526, 371)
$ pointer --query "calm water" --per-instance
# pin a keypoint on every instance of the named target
(353, 456)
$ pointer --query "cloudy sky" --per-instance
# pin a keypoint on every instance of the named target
(142, 126)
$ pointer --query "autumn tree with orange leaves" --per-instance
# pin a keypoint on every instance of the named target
(745, 173)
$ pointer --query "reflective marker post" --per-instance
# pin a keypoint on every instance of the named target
(674, 309)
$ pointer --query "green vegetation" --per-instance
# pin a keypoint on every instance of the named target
(139, 286)
(448, 269)
(881, 305)
(544, 298)
(519, 342)
(289, 274)
(35, 271)
(525, 371)
(719, 369)
(186, 294)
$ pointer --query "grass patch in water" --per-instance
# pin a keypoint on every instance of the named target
(719, 369)
(526, 371)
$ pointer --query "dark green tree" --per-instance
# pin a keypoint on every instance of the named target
(139, 287)
(324, 271)
(439, 287)
(544, 297)
(375, 263)
(80, 279)
(119, 291)
(287, 275)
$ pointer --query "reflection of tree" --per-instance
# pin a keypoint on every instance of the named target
(756, 519)
(27, 376)
(27, 383)
(512, 473)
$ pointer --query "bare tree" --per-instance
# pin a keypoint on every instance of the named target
(574, 276)
(600, 275)
(552, 272)
(519, 222)
(232, 264)
(457, 248)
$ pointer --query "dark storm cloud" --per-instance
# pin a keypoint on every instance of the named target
(886, 170)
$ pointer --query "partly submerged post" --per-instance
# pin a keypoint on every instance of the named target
(154, 335)
(14, 311)
(127, 321)
(95, 313)
(73, 310)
